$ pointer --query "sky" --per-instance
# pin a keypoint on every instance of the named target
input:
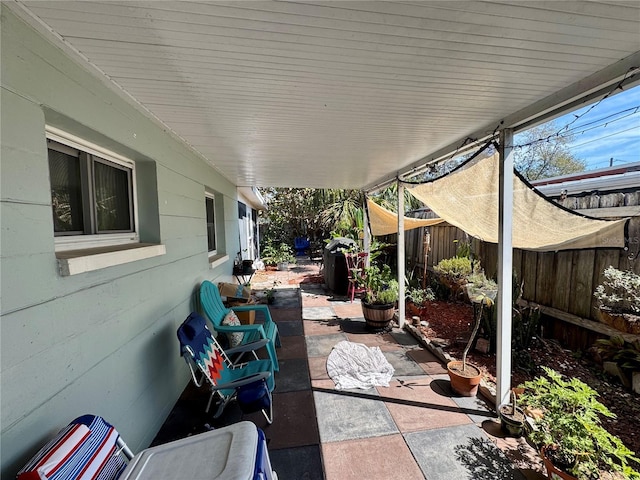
(611, 129)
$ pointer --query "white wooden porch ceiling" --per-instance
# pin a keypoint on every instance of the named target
(341, 94)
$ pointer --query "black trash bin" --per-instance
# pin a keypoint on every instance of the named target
(336, 277)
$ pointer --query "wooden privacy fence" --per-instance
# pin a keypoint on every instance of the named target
(563, 280)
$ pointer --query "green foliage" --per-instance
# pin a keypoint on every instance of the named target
(420, 296)
(455, 267)
(273, 255)
(464, 249)
(380, 285)
(546, 154)
(620, 291)
(616, 349)
(570, 427)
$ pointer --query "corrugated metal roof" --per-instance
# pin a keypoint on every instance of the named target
(342, 94)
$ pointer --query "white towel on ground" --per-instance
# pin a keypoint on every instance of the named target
(354, 365)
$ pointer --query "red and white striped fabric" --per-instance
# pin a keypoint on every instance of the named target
(84, 450)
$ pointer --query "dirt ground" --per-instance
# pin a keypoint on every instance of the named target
(451, 324)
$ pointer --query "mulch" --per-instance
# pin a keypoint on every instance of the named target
(450, 324)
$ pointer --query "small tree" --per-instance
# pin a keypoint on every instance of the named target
(546, 153)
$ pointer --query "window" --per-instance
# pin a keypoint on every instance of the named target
(211, 224)
(92, 194)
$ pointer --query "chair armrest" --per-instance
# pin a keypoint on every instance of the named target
(249, 347)
(242, 328)
(243, 381)
(256, 307)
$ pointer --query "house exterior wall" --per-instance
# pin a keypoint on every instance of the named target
(100, 342)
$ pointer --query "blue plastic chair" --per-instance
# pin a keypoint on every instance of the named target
(301, 244)
(250, 382)
(216, 311)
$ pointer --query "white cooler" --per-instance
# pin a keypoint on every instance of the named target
(236, 452)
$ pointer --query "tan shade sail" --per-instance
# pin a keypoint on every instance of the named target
(385, 222)
(468, 199)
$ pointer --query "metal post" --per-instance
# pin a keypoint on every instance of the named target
(401, 294)
(367, 232)
(505, 266)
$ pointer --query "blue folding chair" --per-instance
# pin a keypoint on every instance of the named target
(251, 383)
(216, 312)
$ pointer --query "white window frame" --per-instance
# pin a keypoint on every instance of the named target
(209, 195)
(81, 242)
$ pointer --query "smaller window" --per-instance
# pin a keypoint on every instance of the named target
(211, 224)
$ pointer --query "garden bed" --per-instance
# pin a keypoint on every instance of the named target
(450, 324)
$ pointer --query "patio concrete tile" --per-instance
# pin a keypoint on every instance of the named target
(321, 327)
(292, 347)
(460, 452)
(404, 338)
(286, 314)
(297, 463)
(402, 363)
(350, 310)
(321, 345)
(414, 406)
(327, 384)
(385, 341)
(290, 328)
(294, 421)
(518, 450)
(315, 301)
(318, 368)
(293, 375)
(347, 416)
(427, 361)
(318, 313)
(476, 407)
(379, 458)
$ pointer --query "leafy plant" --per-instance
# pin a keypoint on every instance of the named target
(272, 255)
(616, 349)
(455, 267)
(380, 285)
(568, 426)
(619, 291)
(420, 296)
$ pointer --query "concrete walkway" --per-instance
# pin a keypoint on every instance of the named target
(414, 429)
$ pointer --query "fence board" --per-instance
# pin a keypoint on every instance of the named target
(562, 274)
(529, 273)
(582, 283)
(545, 279)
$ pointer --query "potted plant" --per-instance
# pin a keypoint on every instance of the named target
(465, 378)
(280, 256)
(417, 299)
(512, 417)
(618, 298)
(380, 297)
(569, 433)
(453, 272)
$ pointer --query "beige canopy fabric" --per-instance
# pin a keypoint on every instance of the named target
(385, 222)
(468, 199)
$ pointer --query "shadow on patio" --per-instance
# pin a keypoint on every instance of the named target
(416, 428)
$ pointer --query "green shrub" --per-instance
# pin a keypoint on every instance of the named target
(569, 427)
(620, 291)
(455, 267)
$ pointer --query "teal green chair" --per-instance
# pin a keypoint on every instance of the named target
(215, 310)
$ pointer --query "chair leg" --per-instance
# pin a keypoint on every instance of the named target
(269, 416)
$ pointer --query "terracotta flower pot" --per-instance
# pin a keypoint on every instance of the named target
(553, 472)
(465, 382)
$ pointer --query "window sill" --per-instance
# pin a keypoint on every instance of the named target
(73, 262)
(217, 260)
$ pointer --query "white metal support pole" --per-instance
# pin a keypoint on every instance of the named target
(505, 266)
(401, 263)
(367, 233)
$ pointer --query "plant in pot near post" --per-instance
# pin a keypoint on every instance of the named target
(465, 378)
(568, 430)
(380, 297)
(618, 298)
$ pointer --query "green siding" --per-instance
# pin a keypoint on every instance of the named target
(104, 341)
